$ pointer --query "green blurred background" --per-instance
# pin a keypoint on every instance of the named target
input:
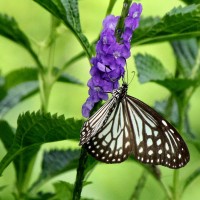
(109, 181)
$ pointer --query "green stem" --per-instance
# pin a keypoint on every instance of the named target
(46, 77)
(181, 110)
(140, 185)
(110, 6)
(176, 191)
(80, 175)
(120, 25)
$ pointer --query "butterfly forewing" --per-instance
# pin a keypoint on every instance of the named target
(112, 143)
(125, 125)
(96, 121)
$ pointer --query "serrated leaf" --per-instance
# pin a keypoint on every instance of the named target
(38, 128)
(10, 29)
(186, 51)
(149, 68)
(63, 161)
(63, 190)
(180, 22)
(67, 11)
(195, 174)
(22, 161)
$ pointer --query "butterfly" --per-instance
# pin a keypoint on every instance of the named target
(125, 125)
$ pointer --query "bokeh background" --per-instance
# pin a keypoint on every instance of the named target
(109, 182)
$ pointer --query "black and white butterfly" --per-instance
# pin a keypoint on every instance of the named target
(125, 125)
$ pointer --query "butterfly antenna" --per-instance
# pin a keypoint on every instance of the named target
(132, 77)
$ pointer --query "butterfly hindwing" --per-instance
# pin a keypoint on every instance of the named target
(156, 140)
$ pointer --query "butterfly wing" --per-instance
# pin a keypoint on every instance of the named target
(155, 141)
(96, 121)
(112, 143)
(127, 125)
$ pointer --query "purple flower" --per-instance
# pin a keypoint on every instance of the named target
(108, 65)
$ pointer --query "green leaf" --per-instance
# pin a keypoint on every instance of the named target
(22, 161)
(21, 75)
(191, 1)
(6, 134)
(27, 74)
(186, 51)
(179, 23)
(178, 85)
(3, 91)
(63, 191)
(67, 11)
(23, 83)
(17, 94)
(38, 128)
(149, 68)
(3, 187)
(195, 174)
(10, 29)
(169, 109)
(63, 161)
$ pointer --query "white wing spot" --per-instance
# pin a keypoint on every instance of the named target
(168, 155)
(101, 150)
(140, 150)
(160, 151)
(166, 146)
(103, 158)
(179, 156)
(155, 133)
(120, 152)
(95, 142)
(93, 151)
(89, 147)
(148, 130)
(164, 122)
(127, 144)
(97, 146)
(113, 160)
(110, 155)
(119, 159)
(150, 152)
(149, 142)
(174, 160)
(158, 142)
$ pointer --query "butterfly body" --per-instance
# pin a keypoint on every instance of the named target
(125, 125)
